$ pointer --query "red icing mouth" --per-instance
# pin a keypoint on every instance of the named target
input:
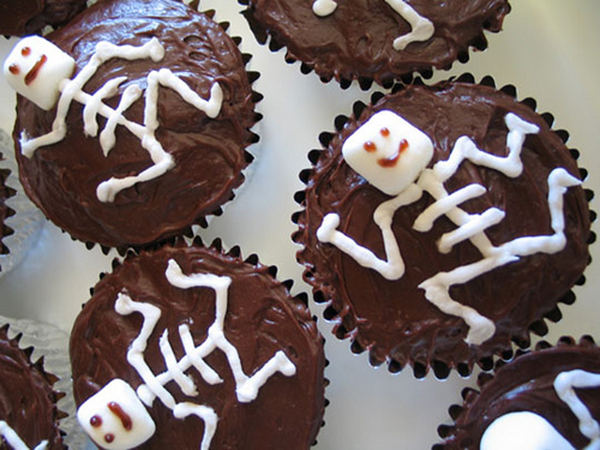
(33, 73)
(392, 160)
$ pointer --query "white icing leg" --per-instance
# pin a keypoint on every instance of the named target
(559, 181)
(421, 28)
(564, 385)
(392, 268)
(207, 414)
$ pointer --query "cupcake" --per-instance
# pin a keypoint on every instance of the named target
(5, 212)
(379, 40)
(133, 121)
(23, 17)
(192, 347)
(547, 398)
(442, 222)
(28, 412)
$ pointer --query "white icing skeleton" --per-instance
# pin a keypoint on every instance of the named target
(526, 430)
(14, 440)
(421, 28)
(392, 155)
(40, 71)
(133, 425)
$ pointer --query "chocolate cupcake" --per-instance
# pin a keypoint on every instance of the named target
(136, 121)
(28, 412)
(547, 398)
(23, 17)
(192, 347)
(5, 211)
(379, 40)
(442, 222)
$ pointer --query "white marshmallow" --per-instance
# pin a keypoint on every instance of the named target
(35, 68)
(110, 430)
(388, 151)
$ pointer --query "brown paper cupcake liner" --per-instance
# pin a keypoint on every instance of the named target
(525, 384)
(421, 358)
(386, 72)
(21, 222)
(234, 258)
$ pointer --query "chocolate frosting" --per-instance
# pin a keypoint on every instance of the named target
(526, 385)
(356, 40)
(22, 17)
(27, 400)
(262, 318)
(392, 319)
(209, 154)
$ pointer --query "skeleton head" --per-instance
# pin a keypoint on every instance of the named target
(35, 68)
(115, 418)
(389, 152)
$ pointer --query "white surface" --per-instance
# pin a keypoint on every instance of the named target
(548, 49)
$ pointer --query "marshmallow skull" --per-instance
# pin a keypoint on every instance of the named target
(35, 69)
(115, 418)
(388, 151)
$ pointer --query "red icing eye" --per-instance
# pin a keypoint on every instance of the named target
(26, 51)
(385, 132)
(14, 69)
(370, 146)
(95, 421)
(403, 145)
(109, 437)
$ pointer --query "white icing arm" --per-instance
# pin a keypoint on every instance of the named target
(564, 385)
(421, 28)
(206, 413)
(14, 440)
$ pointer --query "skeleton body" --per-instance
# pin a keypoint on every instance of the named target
(247, 387)
(471, 227)
(66, 90)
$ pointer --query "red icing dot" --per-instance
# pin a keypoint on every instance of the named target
(109, 437)
(14, 69)
(370, 146)
(385, 132)
(403, 145)
(95, 421)
(25, 51)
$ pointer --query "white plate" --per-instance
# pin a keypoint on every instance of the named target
(548, 49)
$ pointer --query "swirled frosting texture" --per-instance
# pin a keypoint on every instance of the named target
(209, 154)
(392, 318)
(356, 40)
(261, 319)
(27, 400)
(21, 17)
